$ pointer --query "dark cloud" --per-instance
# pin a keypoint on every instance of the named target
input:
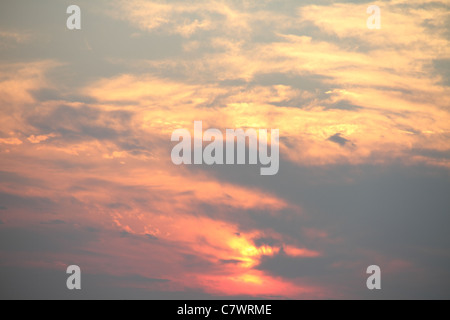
(37, 283)
(231, 261)
(346, 273)
(396, 210)
(442, 68)
(197, 262)
(118, 205)
(126, 234)
(35, 204)
(81, 123)
(151, 237)
(52, 238)
(259, 242)
(343, 105)
(54, 222)
(15, 178)
(92, 229)
(308, 82)
(136, 237)
(289, 267)
(337, 138)
(425, 5)
(431, 153)
(141, 279)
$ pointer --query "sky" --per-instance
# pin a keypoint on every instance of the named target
(86, 176)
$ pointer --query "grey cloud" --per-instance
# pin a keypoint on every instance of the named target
(394, 210)
(425, 5)
(343, 105)
(308, 82)
(92, 229)
(36, 204)
(289, 267)
(53, 238)
(137, 237)
(339, 140)
(46, 95)
(140, 279)
(44, 284)
(118, 205)
(380, 198)
(196, 262)
(430, 153)
(82, 52)
(442, 68)
(78, 123)
(54, 222)
(262, 241)
(231, 261)
(15, 178)
(349, 43)
(151, 237)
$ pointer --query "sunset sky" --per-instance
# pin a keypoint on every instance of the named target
(86, 177)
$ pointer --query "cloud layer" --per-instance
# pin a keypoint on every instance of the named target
(86, 177)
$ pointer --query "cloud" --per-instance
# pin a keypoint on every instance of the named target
(85, 125)
(285, 266)
(339, 140)
(180, 18)
(11, 141)
(41, 240)
(12, 39)
(443, 69)
(40, 138)
(53, 222)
